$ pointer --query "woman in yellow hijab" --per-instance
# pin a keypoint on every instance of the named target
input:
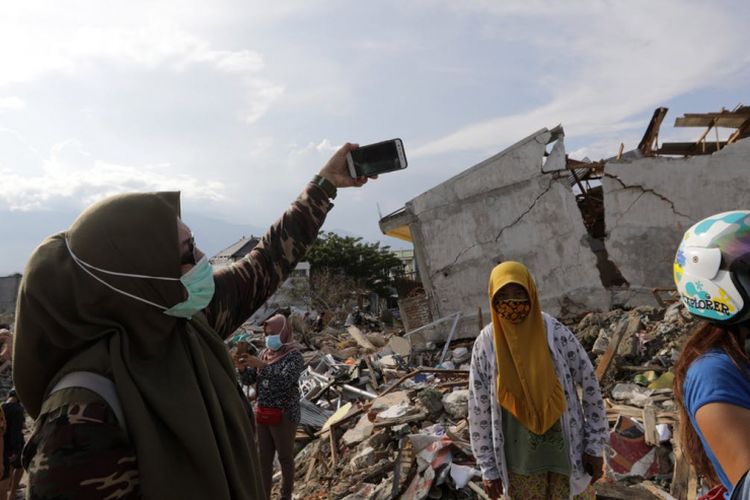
(532, 436)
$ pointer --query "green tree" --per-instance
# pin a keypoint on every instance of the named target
(370, 266)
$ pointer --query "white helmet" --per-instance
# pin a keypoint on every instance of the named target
(712, 268)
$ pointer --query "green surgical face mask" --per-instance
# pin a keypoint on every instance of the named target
(199, 283)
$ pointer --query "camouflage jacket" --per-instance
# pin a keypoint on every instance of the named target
(78, 450)
(245, 285)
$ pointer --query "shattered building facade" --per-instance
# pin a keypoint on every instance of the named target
(595, 235)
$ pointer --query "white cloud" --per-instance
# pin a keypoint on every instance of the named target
(12, 103)
(71, 177)
(617, 60)
(261, 95)
(34, 46)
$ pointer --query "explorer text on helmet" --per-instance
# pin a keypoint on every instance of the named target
(712, 268)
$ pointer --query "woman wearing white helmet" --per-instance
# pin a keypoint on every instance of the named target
(712, 375)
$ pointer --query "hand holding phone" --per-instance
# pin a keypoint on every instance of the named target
(375, 159)
(336, 172)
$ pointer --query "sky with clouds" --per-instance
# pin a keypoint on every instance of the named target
(237, 104)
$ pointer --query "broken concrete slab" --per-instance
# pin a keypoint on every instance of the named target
(400, 345)
(359, 432)
(396, 411)
(651, 201)
(364, 458)
(456, 403)
(632, 393)
(361, 339)
(505, 208)
(432, 400)
(389, 400)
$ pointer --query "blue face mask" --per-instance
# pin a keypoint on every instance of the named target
(199, 283)
(273, 342)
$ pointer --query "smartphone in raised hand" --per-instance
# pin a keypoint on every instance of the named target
(376, 159)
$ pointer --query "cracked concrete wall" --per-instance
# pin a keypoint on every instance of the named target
(650, 202)
(506, 208)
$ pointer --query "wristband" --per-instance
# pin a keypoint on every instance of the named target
(325, 185)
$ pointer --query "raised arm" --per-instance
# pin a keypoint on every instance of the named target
(245, 285)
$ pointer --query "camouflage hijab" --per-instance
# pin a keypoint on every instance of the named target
(186, 419)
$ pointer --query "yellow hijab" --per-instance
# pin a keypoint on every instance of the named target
(527, 384)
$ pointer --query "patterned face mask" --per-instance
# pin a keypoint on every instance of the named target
(513, 310)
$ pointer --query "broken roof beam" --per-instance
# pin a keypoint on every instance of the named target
(742, 132)
(651, 136)
(726, 119)
(689, 148)
(572, 164)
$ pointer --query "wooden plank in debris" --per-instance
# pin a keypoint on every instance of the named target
(437, 371)
(402, 472)
(650, 434)
(652, 131)
(346, 418)
(334, 449)
(406, 419)
(633, 323)
(313, 461)
(652, 488)
(455, 383)
(644, 368)
(692, 484)
(373, 377)
(478, 490)
(357, 335)
(727, 119)
(690, 148)
(618, 491)
(684, 483)
(740, 133)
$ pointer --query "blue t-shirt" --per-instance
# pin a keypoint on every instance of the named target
(713, 378)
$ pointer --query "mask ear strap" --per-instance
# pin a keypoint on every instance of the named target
(113, 273)
(83, 265)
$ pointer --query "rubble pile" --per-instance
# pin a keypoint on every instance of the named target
(385, 416)
(397, 429)
(633, 353)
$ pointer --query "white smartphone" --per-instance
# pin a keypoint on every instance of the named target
(378, 158)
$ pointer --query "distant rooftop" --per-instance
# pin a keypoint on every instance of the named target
(236, 250)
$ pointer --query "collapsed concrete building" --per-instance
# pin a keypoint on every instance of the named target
(595, 234)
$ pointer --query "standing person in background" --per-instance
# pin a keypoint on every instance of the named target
(532, 436)
(276, 373)
(319, 323)
(13, 441)
(712, 374)
(6, 340)
(119, 352)
(4, 476)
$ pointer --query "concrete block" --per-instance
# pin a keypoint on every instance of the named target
(456, 403)
(359, 432)
(650, 202)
